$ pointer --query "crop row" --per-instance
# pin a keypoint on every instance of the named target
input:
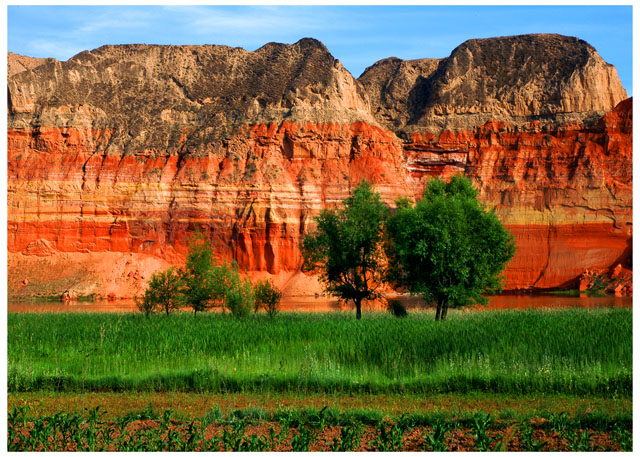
(289, 432)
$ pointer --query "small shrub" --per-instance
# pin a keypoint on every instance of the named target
(145, 305)
(250, 170)
(267, 297)
(598, 286)
(239, 298)
(213, 415)
(396, 308)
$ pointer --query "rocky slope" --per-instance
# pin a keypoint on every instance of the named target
(116, 155)
(550, 78)
(17, 63)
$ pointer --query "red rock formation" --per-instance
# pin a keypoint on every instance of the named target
(254, 198)
(566, 195)
(105, 187)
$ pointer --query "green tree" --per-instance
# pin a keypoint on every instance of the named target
(347, 247)
(198, 283)
(448, 247)
(163, 292)
(239, 298)
(230, 290)
(267, 297)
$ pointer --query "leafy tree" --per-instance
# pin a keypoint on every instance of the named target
(198, 282)
(163, 292)
(222, 278)
(448, 247)
(239, 298)
(267, 297)
(230, 290)
(347, 247)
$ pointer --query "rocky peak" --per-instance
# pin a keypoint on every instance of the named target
(546, 77)
(151, 95)
(17, 63)
(165, 97)
(393, 86)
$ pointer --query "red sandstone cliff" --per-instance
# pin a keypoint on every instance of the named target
(116, 155)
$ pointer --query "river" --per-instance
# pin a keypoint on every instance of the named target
(324, 304)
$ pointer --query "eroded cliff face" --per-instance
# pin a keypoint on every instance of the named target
(254, 195)
(565, 194)
(117, 155)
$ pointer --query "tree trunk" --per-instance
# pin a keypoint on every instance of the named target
(167, 310)
(358, 308)
(445, 309)
(438, 310)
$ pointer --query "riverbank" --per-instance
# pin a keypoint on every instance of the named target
(330, 304)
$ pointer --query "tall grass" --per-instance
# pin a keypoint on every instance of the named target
(568, 351)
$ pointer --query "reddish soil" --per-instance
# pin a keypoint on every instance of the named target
(195, 405)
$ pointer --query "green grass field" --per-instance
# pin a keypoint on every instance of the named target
(574, 351)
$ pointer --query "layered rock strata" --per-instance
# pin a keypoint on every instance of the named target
(117, 155)
(566, 194)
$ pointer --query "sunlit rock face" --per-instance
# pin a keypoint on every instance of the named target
(565, 194)
(117, 155)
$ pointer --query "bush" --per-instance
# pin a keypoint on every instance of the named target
(236, 292)
(267, 297)
(396, 308)
(239, 297)
(145, 305)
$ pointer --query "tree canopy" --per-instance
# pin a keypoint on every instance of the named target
(346, 249)
(448, 247)
(200, 287)
(163, 292)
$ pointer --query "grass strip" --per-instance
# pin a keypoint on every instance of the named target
(572, 351)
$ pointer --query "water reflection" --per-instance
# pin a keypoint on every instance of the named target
(324, 304)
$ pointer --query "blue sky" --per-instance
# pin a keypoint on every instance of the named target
(357, 35)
